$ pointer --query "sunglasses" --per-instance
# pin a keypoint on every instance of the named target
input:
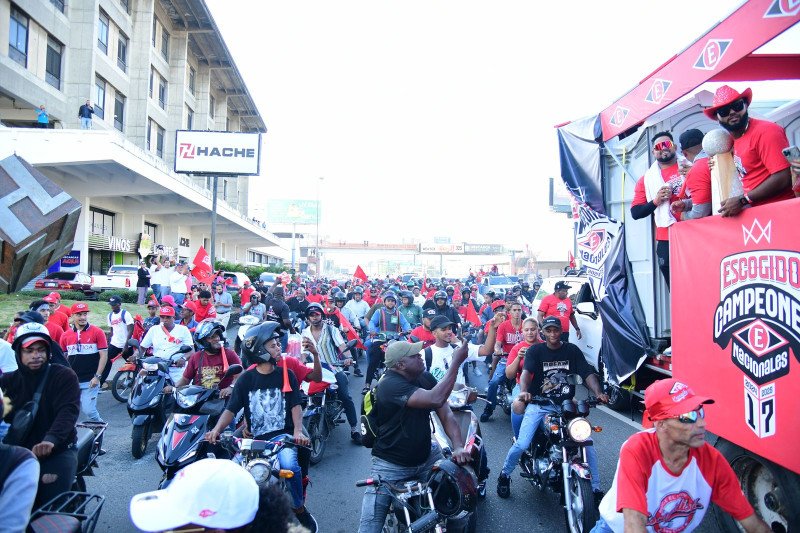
(692, 416)
(664, 145)
(724, 111)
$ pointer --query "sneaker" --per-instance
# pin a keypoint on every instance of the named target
(105, 386)
(598, 497)
(306, 520)
(355, 436)
(358, 373)
(503, 486)
(487, 414)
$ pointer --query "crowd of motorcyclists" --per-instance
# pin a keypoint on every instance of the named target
(421, 340)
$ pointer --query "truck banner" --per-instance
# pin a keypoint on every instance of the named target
(736, 324)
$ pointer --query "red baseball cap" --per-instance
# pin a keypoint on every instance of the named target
(55, 295)
(498, 303)
(166, 310)
(79, 307)
(668, 398)
(49, 299)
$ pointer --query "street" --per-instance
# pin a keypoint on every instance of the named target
(333, 497)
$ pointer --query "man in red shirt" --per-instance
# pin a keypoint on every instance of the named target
(61, 307)
(207, 367)
(56, 316)
(423, 333)
(204, 306)
(509, 333)
(559, 305)
(656, 191)
(245, 291)
(695, 196)
(43, 308)
(757, 151)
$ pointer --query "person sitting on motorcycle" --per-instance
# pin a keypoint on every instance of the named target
(403, 449)
(546, 367)
(51, 435)
(410, 310)
(359, 309)
(515, 363)
(423, 333)
(207, 367)
(440, 299)
(269, 412)
(670, 462)
(18, 481)
(254, 307)
(298, 303)
(166, 338)
(509, 333)
(328, 342)
(340, 301)
(387, 319)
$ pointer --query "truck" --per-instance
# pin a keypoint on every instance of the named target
(730, 325)
(118, 277)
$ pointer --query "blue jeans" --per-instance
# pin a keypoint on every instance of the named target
(89, 402)
(498, 378)
(376, 502)
(287, 458)
(165, 290)
(86, 123)
(516, 420)
(179, 297)
(531, 422)
(601, 527)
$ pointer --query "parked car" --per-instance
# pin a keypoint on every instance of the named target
(119, 277)
(267, 278)
(237, 280)
(499, 284)
(65, 281)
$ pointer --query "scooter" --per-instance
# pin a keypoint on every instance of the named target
(196, 411)
(148, 405)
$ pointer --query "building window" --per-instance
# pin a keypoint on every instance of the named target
(152, 77)
(164, 43)
(155, 28)
(18, 37)
(159, 141)
(162, 92)
(211, 105)
(59, 4)
(53, 65)
(102, 32)
(209, 182)
(189, 118)
(150, 229)
(99, 96)
(225, 190)
(119, 112)
(122, 52)
(149, 132)
(102, 221)
(191, 79)
(127, 5)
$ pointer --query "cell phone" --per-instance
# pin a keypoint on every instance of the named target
(791, 153)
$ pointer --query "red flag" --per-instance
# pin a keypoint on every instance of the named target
(360, 274)
(424, 289)
(571, 259)
(349, 330)
(472, 316)
(202, 267)
(154, 300)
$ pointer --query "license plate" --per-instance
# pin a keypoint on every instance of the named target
(51, 284)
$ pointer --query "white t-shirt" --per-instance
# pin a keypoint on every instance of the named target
(177, 282)
(164, 347)
(118, 322)
(8, 363)
(442, 357)
(162, 276)
(419, 300)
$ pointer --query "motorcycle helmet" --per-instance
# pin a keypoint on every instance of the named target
(29, 333)
(205, 330)
(454, 489)
(359, 290)
(340, 297)
(407, 294)
(315, 307)
(525, 285)
(450, 288)
(253, 345)
(440, 295)
(490, 293)
(466, 290)
(389, 296)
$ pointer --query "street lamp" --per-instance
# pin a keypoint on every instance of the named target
(316, 254)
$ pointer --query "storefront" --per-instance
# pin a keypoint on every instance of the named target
(107, 250)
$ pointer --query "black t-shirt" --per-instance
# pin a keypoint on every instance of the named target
(296, 306)
(406, 442)
(550, 369)
(277, 310)
(268, 411)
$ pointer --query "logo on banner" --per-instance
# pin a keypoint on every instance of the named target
(783, 8)
(186, 151)
(593, 240)
(596, 235)
(712, 54)
(657, 91)
(756, 232)
(619, 116)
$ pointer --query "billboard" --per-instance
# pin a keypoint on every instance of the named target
(217, 152)
(287, 211)
(427, 248)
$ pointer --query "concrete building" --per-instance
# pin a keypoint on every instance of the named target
(149, 67)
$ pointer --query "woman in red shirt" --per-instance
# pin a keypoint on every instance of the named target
(516, 360)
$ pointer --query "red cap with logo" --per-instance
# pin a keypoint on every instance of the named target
(498, 303)
(668, 398)
(55, 295)
(50, 299)
(79, 307)
(166, 310)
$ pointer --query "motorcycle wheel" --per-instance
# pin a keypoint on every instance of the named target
(582, 507)
(122, 385)
(316, 434)
(140, 435)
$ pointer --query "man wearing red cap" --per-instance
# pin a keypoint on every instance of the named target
(165, 339)
(56, 316)
(61, 308)
(668, 475)
(87, 353)
(757, 149)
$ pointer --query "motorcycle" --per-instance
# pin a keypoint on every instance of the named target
(324, 410)
(383, 339)
(245, 323)
(148, 405)
(556, 460)
(90, 446)
(196, 411)
(122, 384)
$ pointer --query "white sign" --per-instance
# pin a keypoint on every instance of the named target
(217, 152)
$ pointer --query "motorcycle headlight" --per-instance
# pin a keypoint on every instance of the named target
(458, 399)
(579, 429)
(186, 401)
(150, 367)
(260, 471)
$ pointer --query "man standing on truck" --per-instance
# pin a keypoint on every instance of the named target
(695, 196)
(757, 149)
(559, 305)
(656, 191)
(668, 475)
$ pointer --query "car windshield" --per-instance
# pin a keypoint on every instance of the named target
(67, 276)
(499, 280)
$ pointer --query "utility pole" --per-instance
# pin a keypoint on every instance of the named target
(316, 253)
(213, 252)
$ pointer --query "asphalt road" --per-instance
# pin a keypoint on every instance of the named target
(333, 497)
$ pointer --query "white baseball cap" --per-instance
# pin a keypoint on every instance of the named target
(212, 493)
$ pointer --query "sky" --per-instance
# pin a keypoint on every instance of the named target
(434, 118)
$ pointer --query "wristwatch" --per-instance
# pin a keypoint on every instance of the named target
(98, 376)
(745, 200)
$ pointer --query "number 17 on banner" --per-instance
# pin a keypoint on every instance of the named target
(759, 408)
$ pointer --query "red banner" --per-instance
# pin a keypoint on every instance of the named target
(472, 316)
(202, 267)
(360, 274)
(755, 23)
(349, 330)
(736, 324)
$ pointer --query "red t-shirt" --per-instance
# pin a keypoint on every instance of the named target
(512, 356)
(671, 501)
(758, 155)
(245, 294)
(552, 305)
(300, 370)
(672, 177)
(213, 368)
(316, 298)
(698, 182)
(508, 335)
(59, 319)
(423, 335)
(54, 330)
(201, 313)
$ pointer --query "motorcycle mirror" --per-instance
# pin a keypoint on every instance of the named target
(413, 338)
(233, 370)
(185, 349)
(350, 345)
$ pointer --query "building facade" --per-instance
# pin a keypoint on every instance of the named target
(149, 68)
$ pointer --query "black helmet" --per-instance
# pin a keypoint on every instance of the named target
(389, 295)
(466, 290)
(453, 487)
(314, 306)
(525, 285)
(407, 294)
(340, 297)
(440, 295)
(490, 293)
(450, 288)
(256, 337)
(206, 329)
(358, 290)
